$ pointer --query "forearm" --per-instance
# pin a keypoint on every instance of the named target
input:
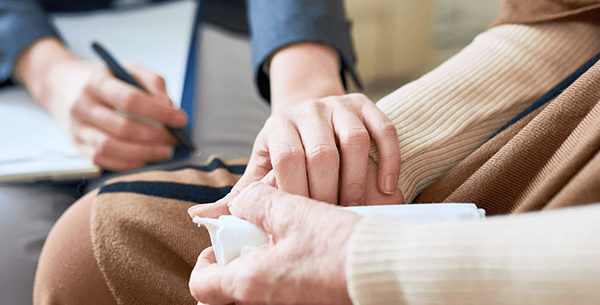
(539, 258)
(35, 64)
(301, 72)
(277, 24)
(446, 114)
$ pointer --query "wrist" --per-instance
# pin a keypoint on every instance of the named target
(37, 64)
(304, 71)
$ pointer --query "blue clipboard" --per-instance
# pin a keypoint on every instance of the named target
(189, 85)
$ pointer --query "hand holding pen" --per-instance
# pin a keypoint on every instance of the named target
(83, 96)
(119, 72)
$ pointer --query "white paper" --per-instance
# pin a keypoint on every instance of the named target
(231, 236)
(156, 36)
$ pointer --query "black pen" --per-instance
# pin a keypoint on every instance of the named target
(117, 70)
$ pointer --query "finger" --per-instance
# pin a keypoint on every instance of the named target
(322, 159)
(287, 157)
(123, 96)
(117, 165)
(272, 210)
(210, 210)
(111, 147)
(383, 131)
(150, 80)
(121, 126)
(259, 164)
(214, 210)
(269, 179)
(207, 278)
(106, 162)
(354, 145)
(257, 168)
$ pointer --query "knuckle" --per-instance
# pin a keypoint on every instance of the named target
(358, 96)
(77, 108)
(287, 155)
(331, 99)
(353, 186)
(314, 106)
(392, 157)
(260, 159)
(251, 189)
(96, 80)
(276, 121)
(388, 129)
(88, 88)
(323, 154)
(129, 100)
(158, 81)
(124, 128)
(355, 137)
(102, 145)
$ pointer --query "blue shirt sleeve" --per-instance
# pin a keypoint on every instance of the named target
(22, 22)
(275, 24)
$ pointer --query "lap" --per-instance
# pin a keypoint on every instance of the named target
(27, 212)
(142, 238)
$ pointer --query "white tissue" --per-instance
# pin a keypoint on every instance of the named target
(231, 236)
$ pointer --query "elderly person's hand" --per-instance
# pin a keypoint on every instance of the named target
(304, 262)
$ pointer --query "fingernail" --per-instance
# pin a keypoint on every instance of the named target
(391, 183)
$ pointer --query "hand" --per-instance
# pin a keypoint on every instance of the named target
(84, 97)
(372, 194)
(300, 145)
(303, 264)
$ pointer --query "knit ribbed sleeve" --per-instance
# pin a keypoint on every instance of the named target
(449, 112)
(537, 258)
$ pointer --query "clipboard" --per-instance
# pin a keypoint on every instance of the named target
(34, 147)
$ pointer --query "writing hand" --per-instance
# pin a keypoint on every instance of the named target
(84, 98)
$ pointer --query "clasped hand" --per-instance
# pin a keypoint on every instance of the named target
(318, 149)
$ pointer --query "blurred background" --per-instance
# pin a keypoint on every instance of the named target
(398, 40)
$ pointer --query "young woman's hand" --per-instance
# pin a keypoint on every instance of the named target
(316, 142)
(320, 148)
(299, 151)
(96, 110)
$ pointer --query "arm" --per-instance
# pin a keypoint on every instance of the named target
(549, 257)
(276, 24)
(537, 258)
(83, 98)
(446, 114)
(314, 129)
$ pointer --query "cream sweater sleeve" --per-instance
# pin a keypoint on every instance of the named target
(536, 258)
(446, 114)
